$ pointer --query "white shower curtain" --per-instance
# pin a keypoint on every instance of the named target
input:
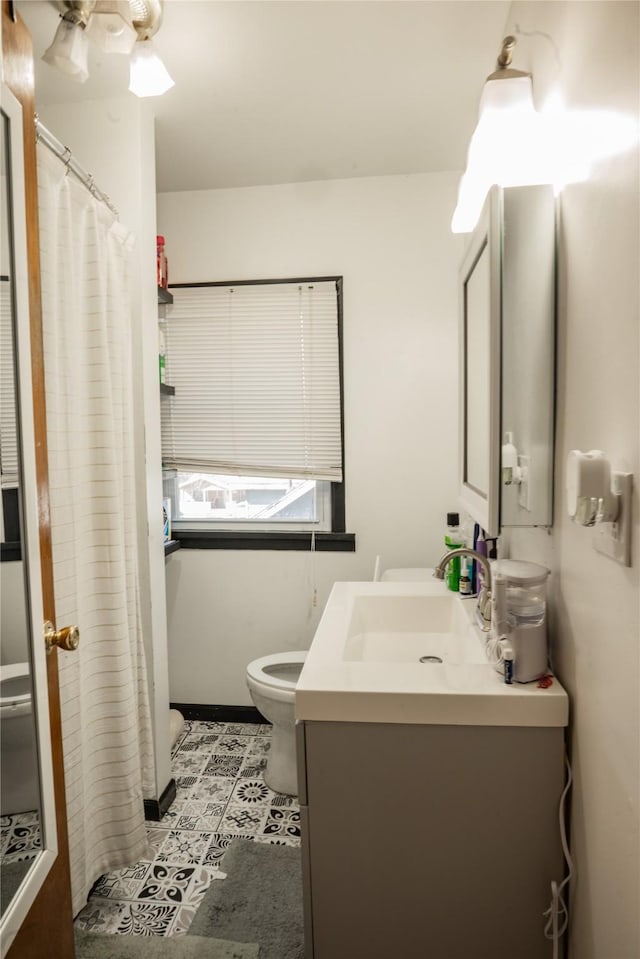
(106, 725)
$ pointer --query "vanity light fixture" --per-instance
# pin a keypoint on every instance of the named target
(507, 146)
(600, 497)
(516, 145)
(116, 26)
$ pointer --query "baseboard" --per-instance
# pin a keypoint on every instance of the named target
(220, 714)
(154, 809)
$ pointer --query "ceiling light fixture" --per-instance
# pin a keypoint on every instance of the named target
(148, 75)
(69, 51)
(115, 26)
(111, 27)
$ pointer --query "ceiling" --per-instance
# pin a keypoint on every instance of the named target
(279, 92)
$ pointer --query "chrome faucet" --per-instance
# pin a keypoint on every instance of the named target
(484, 593)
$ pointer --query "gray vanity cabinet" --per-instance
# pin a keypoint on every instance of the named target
(428, 842)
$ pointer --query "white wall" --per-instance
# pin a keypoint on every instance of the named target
(114, 140)
(390, 239)
(590, 52)
(14, 633)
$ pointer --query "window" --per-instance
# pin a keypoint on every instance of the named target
(252, 438)
(249, 499)
(9, 458)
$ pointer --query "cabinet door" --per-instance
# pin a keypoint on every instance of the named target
(406, 846)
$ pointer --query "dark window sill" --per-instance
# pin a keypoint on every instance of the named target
(10, 552)
(170, 546)
(223, 539)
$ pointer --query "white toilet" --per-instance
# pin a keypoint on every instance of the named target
(272, 684)
(19, 790)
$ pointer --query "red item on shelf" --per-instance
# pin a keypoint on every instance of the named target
(162, 264)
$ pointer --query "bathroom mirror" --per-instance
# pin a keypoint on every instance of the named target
(507, 357)
(479, 373)
(27, 819)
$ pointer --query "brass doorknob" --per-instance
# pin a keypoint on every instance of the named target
(66, 638)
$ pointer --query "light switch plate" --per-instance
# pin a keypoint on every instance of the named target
(614, 539)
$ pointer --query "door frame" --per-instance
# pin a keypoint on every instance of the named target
(50, 918)
(36, 872)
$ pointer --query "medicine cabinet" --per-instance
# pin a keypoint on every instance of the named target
(507, 360)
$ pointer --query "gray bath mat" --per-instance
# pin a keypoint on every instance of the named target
(259, 901)
(12, 875)
(93, 945)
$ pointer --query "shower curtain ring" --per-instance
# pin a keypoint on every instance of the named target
(66, 159)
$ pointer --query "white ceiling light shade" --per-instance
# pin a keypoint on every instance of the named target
(148, 75)
(110, 27)
(69, 51)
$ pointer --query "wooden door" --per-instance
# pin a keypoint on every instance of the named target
(48, 928)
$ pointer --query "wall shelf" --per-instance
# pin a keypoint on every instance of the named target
(171, 546)
(164, 296)
(167, 390)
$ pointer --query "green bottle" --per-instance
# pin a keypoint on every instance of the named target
(453, 539)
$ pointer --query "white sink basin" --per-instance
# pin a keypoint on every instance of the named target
(375, 658)
(404, 628)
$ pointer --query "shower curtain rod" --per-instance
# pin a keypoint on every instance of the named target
(64, 153)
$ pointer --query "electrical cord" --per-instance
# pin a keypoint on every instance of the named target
(493, 649)
(558, 913)
(314, 597)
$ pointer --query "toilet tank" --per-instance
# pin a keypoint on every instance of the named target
(14, 633)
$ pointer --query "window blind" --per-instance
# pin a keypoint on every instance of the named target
(256, 372)
(8, 425)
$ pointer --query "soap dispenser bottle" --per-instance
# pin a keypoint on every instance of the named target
(453, 539)
(466, 585)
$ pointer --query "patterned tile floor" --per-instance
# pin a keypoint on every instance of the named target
(19, 836)
(20, 841)
(221, 795)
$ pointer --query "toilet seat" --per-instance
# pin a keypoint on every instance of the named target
(271, 671)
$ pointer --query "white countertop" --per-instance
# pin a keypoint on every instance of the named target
(467, 691)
